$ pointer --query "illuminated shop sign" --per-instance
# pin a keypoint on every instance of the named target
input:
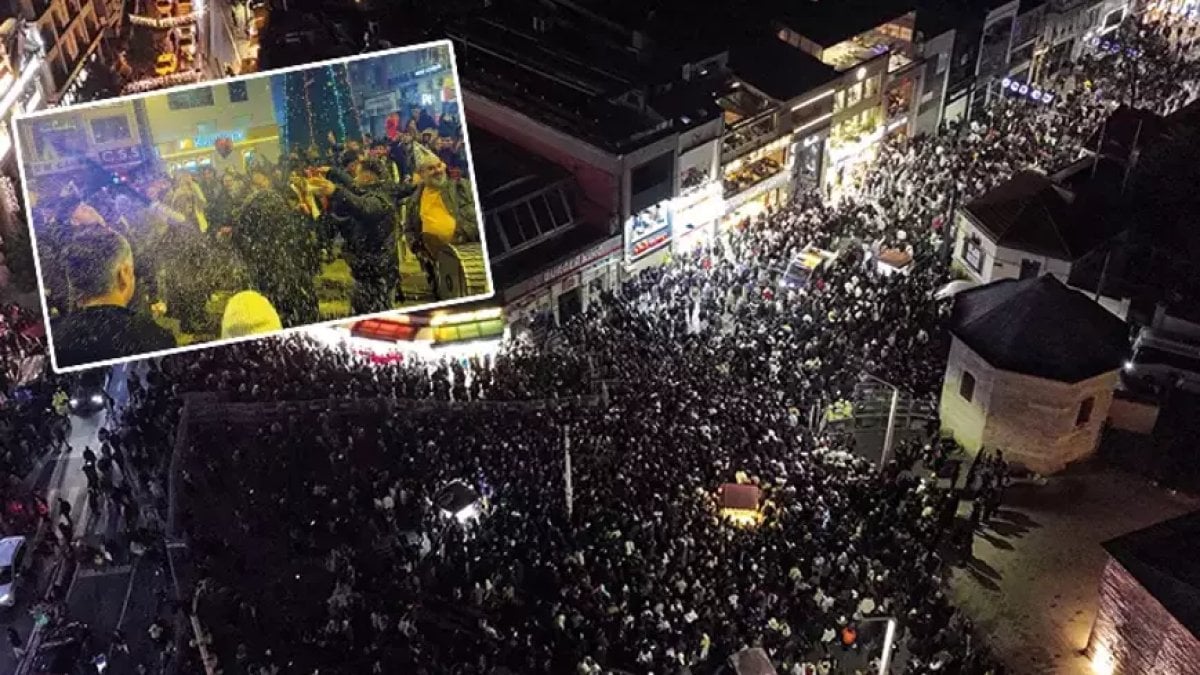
(1112, 46)
(209, 140)
(1022, 89)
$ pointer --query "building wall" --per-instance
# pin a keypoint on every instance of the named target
(999, 262)
(1033, 420)
(963, 419)
(936, 53)
(1134, 634)
(596, 172)
(188, 135)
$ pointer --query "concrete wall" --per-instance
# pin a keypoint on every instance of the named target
(965, 420)
(1032, 419)
(1000, 262)
(1130, 415)
(597, 172)
(258, 110)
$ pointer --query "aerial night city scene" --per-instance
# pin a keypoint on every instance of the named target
(584, 337)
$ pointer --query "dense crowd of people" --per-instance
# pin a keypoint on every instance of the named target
(328, 551)
(243, 252)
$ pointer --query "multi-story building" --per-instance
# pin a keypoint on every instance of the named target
(379, 90)
(174, 130)
(71, 31)
(21, 90)
(870, 44)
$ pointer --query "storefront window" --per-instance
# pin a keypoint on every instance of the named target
(110, 129)
(854, 95)
(872, 87)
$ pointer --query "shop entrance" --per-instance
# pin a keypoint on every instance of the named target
(569, 304)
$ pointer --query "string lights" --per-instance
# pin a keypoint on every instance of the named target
(337, 95)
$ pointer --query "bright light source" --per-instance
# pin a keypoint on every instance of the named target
(861, 73)
(1129, 366)
(97, 399)
(74, 402)
(1103, 662)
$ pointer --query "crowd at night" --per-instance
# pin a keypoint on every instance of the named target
(326, 550)
(224, 253)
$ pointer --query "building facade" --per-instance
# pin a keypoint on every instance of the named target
(184, 126)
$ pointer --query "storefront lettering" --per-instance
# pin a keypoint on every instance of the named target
(130, 154)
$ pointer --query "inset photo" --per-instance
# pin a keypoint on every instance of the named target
(217, 212)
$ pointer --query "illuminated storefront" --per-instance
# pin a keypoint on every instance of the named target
(695, 215)
(648, 235)
(568, 287)
(853, 145)
(757, 181)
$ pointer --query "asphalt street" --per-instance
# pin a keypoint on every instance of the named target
(126, 594)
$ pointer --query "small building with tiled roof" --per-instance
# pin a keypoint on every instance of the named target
(1035, 224)
(1148, 614)
(1032, 369)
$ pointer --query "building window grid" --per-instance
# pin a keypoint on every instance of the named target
(1086, 407)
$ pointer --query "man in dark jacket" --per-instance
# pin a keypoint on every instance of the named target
(99, 265)
(364, 210)
(279, 251)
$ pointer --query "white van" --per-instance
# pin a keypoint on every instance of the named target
(1164, 361)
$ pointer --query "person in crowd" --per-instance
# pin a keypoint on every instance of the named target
(249, 313)
(100, 268)
(363, 207)
(439, 213)
(279, 251)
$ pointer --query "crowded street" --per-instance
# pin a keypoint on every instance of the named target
(562, 504)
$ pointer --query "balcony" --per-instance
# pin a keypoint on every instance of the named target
(749, 135)
(751, 175)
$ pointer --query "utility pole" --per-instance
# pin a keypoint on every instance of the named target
(890, 436)
(568, 489)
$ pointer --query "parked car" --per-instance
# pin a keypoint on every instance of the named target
(88, 392)
(166, 64)
(13, 553)
(164, 7)
(187, 40)
(183, 7)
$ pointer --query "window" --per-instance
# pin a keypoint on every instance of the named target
(854, 94)
(238, 93)
(192, 98)
(973, 253)
(871, 87)
(110, 129)
(966, 388)
(1085, 411)
(839, 100)
(1030, 268)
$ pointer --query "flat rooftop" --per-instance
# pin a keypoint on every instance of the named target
(561, 77)
(778, 69)
(828, 22)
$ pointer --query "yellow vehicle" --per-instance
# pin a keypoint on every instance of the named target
(166, 64)
(164, 7)
(183, 7)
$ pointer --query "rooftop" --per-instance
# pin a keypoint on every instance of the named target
(777, 69)
(828, 22)
(1039, 327)
(562, 77)
(1033, 213)
(1162, 558)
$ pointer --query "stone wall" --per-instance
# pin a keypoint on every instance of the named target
(1033, 420)
(1134, 634)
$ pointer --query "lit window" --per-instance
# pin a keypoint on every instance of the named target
(966, 388)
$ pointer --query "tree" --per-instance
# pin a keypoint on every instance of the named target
(319, 103)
